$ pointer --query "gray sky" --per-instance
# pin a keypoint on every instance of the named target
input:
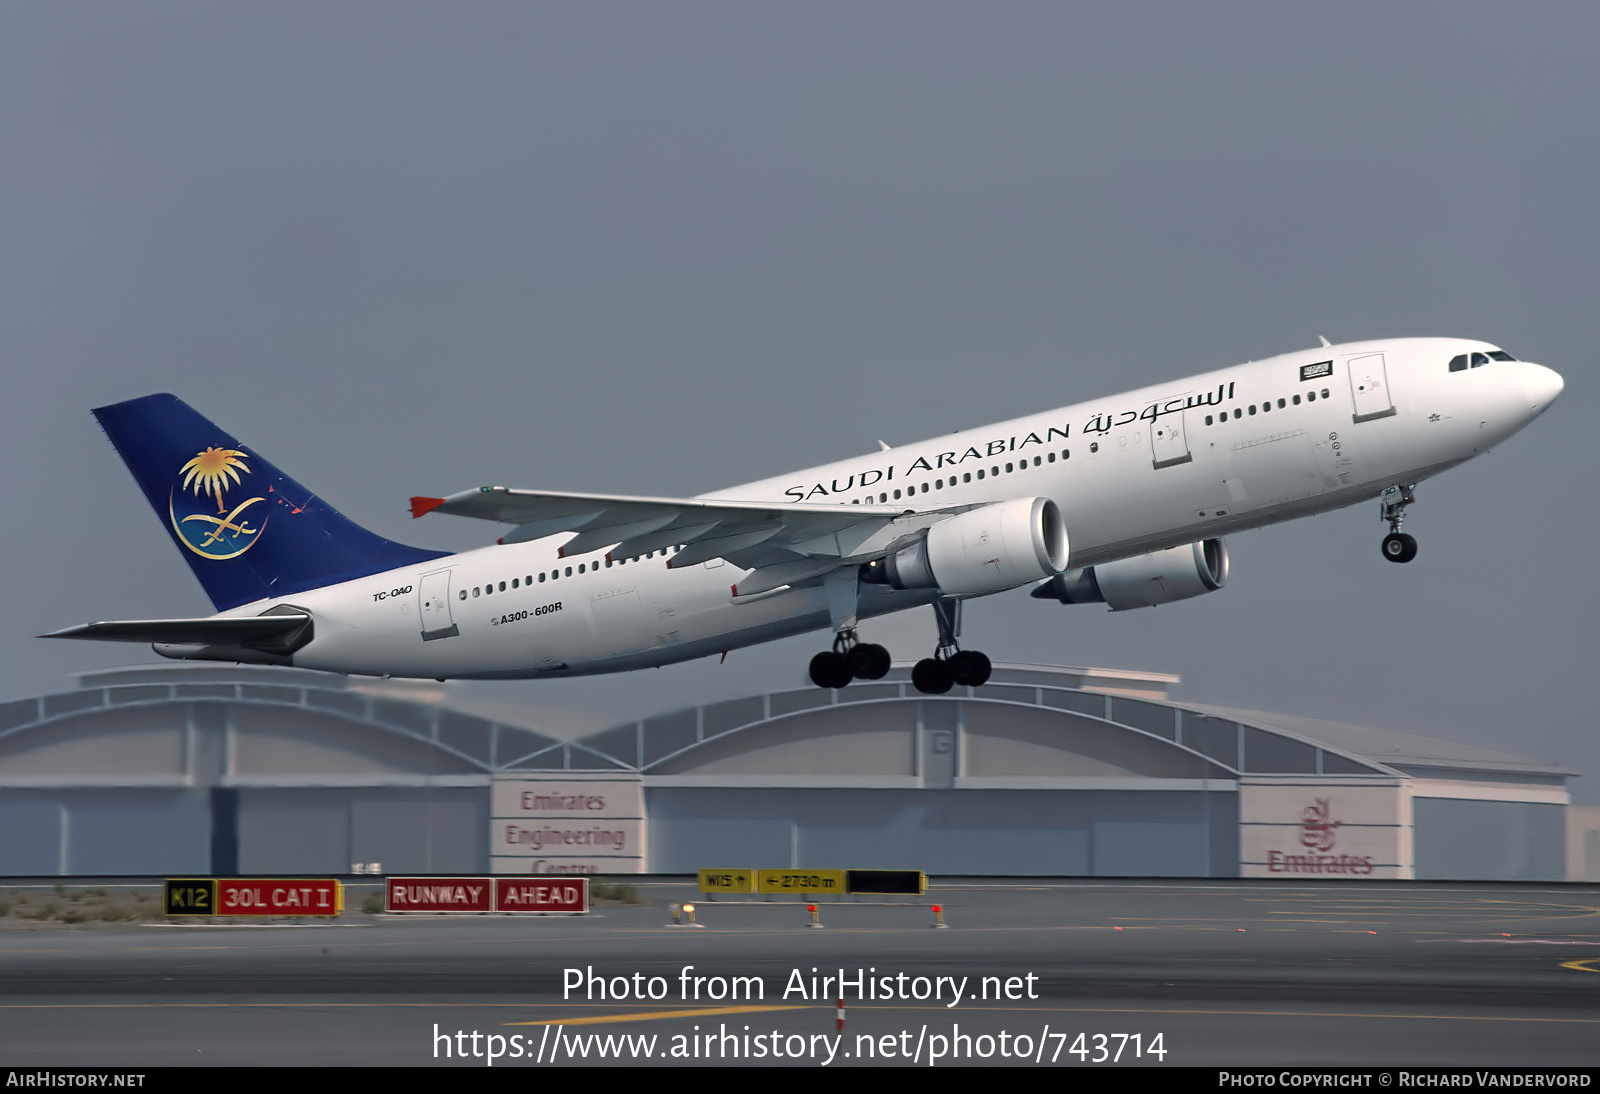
(664, 248)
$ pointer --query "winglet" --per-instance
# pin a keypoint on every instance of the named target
(423, 506)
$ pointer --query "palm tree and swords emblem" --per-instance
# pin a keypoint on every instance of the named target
(209, 475)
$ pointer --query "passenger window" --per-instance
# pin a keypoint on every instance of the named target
(1252, 408)
(1324, 393)
(1037, 461)
(938, 484)
(1237, 413)
(980, 472)
(1066, 453)
(1266, 406)
(1280, 404)
(541, 577)
(1208, 419)
(1094, 446)
(569, 571)
(897, 495)
(883, 497)
(1051, 457)
(463, 594)
(1311, 396)
(924, 488)
(967, 477)
(1008, 469)
(1297, 400)
(502, 586)
(474, 592)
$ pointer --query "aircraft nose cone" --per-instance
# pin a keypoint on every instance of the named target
(1542, 385)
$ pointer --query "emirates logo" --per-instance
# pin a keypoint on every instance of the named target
(1317, 829)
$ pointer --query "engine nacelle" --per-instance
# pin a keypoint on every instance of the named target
(983, 550)
(1161, 577)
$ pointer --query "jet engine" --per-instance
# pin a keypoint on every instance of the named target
(983, 550)
(1160, 577)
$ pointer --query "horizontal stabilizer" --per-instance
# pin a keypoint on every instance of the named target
(258, 631)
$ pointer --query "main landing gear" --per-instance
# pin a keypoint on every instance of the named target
(852, 659)
(1397, 545)
(949, 665)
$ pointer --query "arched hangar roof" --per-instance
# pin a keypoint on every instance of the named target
(1027, 723)
(1029, 726)
(226, 726)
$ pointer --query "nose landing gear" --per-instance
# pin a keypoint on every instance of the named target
(1397, 545)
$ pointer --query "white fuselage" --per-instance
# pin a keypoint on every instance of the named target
(1131, 473)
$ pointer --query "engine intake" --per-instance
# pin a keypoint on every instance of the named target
(983, 550)
(1160, 577)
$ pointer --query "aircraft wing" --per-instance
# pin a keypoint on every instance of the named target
(784, 544)
(254, 631)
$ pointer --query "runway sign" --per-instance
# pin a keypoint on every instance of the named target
(254, 896)
(299, 896)
(886, 882)
(877, 882)
(191, 896)
(800, 881)
(567, 894)
(727, 881)
(486, 894)
(438, 894)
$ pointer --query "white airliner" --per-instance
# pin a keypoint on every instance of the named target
(1120, 500)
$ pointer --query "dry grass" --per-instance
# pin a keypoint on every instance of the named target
(37, 907)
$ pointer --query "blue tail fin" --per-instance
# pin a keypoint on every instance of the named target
(247, 530)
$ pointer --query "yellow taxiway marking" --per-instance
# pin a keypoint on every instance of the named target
(702, 1012)
(1583, 965)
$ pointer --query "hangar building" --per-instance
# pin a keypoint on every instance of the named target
(212, 769)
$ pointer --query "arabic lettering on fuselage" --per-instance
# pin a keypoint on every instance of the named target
(1100, 423)
(1105, 423)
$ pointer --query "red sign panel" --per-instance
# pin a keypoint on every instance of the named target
(541, 894)
(439, 894)
(280, 896)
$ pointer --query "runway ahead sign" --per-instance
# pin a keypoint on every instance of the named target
(543, 896)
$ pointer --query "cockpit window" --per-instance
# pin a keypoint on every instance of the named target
(1464, 361)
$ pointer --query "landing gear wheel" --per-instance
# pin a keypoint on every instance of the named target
(1399, 547)
(830, 670)
(932, 677)
(970, 668)
(869, 661)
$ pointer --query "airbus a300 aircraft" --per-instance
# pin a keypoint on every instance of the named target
(1122, 500)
